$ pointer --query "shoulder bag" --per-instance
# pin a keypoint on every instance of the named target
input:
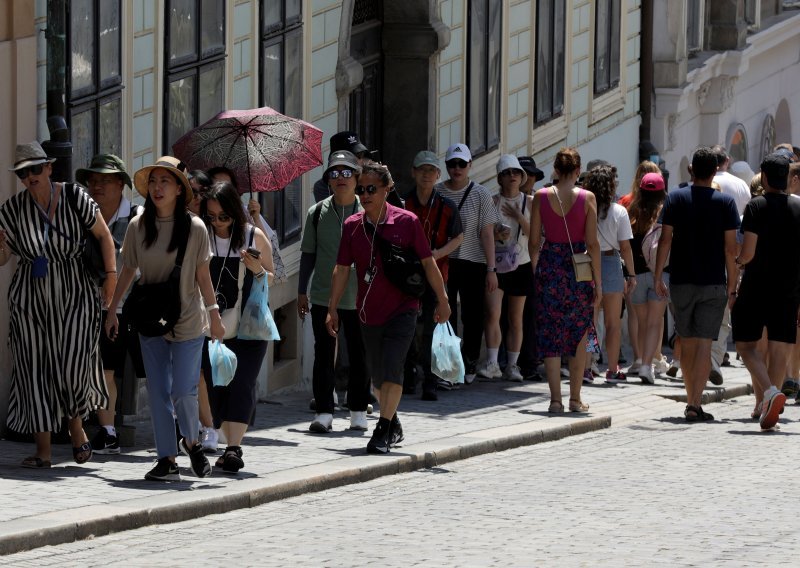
(506, 257)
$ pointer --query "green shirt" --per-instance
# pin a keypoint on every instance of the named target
(323, 241)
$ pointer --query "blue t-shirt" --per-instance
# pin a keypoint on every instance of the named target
(699, 217)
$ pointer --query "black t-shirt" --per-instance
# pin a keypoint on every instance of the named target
(699, 217)
(775, 267)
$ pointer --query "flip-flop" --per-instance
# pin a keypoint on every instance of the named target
(82, 449)
(32, 462)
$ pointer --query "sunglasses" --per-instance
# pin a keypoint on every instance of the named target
(371, 189)
(333, 174)
(222, 218)
(511, 172)
(33, 170)
(452, 164)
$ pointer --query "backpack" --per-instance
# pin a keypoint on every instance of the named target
(650, 247)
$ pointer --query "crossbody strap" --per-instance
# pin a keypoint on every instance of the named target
(466, 193)
(564, 217)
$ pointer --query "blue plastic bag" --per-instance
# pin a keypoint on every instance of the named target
(256, 322)
(223, 363)
(446, 361)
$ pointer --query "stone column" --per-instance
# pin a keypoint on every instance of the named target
(726, 26)
(669, 44)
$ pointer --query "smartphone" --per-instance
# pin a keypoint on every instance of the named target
(254, 252)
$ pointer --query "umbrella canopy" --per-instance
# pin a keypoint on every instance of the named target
(265, 149)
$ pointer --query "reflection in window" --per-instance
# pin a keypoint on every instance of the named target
(606, 45)
(94, 83)
(282, 89)
(550, 45)
(195, 76)
(483, 96)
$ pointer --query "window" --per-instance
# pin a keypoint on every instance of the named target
(694, 25)
(550, 50)
(194, 86)
(483, 75)
(282, 89)
(606, 45)
(94, 79)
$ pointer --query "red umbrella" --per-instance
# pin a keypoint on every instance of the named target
(265, 149)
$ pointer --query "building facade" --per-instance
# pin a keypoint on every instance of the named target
(505, 76)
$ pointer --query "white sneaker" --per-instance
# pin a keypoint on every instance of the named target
(322, 423)
(660, 366)
(595, 369)
(634, 369)
(209, 439)
(513, 374)
(646, 374)
(565, 372)
(221, 439)
(369, 409)
(490, 370)
(358, 420)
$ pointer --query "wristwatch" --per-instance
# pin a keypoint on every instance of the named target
(491, 269)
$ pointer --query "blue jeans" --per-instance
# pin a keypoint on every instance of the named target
(173, 372)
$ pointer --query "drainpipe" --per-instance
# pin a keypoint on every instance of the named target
(646, 71)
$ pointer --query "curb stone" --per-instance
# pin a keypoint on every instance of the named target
(716, 395)
(98, 520)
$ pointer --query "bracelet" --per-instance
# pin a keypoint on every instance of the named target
(260, 275)
(212, 307)
(491, 269)
(111, 271)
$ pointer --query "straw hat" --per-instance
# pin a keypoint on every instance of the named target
(170, 163)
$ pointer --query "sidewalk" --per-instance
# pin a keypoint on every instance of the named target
(282, 458)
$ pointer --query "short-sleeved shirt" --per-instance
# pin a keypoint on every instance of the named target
(774, 270)
(155, 265)
(477, 211)
(615, 227)
(440, 222)
(323, 241)
(699, 217)
(737, 188)
(380, 300)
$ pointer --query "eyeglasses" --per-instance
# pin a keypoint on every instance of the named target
(333, 174)
(371, 189)
(511, 172)
(33, 170)
(222, 218)
(452, 164)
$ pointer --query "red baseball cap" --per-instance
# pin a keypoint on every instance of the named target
(652, 182)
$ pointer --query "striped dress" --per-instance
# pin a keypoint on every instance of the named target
(54, 321)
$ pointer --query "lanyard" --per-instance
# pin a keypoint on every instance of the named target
(46, 216)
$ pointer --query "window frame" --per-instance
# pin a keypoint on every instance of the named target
(275, 204)
(102, 90)
(556, 108)
(192, 65)
(487, 140)
(695, 26)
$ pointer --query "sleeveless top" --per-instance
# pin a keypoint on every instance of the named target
(553, 224)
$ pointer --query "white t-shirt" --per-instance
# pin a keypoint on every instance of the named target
(614, 228)
(524, 257)
(736, 188)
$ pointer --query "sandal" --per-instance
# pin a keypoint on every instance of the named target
(82, 453)
(33, 462)
(578, 406)
(696, 414)
(232, 460)
(556, 407)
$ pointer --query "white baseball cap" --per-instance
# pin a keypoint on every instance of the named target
(458, 152)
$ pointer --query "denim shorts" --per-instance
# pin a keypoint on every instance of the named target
(645, 290)
(611, 274)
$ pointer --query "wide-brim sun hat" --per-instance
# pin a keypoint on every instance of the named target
(170, 163)
(30, 154)
(510, 161)
(104, 164)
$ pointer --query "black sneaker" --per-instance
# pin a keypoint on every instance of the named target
(104, 443)
(165, 470)
(381, 438)
(397, 431)
(199, 462)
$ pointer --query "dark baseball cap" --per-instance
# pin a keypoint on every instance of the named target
(347, 140)
(529, 166)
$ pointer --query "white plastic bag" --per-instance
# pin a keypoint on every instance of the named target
(446, 361)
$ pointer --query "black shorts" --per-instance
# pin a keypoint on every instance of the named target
(113, 352)
(518, 282)
(752, 313)
(386, 347)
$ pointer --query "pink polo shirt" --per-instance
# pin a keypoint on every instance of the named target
(381, 300)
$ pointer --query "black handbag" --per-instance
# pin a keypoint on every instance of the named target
(154, 309)
(402, 268)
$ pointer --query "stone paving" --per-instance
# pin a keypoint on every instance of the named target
(280, 443)
(658, 492)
